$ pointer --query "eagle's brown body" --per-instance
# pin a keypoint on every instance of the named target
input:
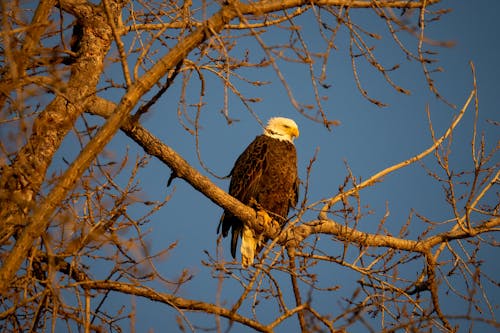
(265, 174)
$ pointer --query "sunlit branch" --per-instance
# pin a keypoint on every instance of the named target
(179, 166)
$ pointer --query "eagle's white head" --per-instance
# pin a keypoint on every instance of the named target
(282, 129)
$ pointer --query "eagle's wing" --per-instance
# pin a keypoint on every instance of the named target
(248, 169)
(245, 178)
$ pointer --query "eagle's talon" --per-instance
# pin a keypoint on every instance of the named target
(263, 219)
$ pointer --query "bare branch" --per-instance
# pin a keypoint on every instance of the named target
(173, 301)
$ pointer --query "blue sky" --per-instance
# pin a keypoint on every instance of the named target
(368, 139)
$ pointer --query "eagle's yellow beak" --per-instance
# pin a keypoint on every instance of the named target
(294, 132)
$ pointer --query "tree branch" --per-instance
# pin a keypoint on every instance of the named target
(179, 166)
(173, 301)
(378, 176)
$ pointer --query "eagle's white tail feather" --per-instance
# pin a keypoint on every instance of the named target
(248, 247)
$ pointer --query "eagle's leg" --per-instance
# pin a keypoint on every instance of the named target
(250, 242)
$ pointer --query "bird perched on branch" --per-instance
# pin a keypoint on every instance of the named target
(264, 177)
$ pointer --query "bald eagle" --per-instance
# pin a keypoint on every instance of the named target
(265, 177)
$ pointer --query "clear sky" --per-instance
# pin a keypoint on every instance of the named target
(368, 139)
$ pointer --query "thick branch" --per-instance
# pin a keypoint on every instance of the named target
(179, 166)
(344, 233)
